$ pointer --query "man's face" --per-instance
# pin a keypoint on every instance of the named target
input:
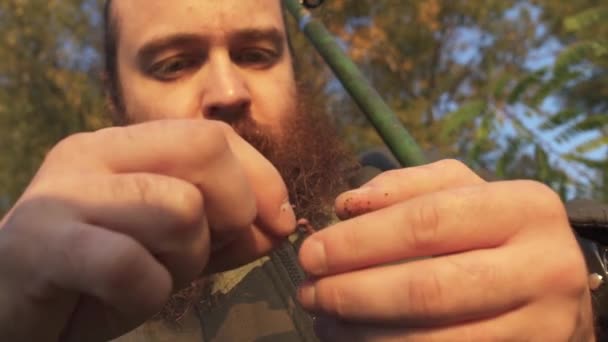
(229, 60)
(221, 60)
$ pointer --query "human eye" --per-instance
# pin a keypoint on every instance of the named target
(259, 58)
(173, 67)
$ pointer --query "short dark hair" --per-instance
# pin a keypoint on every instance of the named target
(110, 47)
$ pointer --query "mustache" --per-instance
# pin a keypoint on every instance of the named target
(257, 135)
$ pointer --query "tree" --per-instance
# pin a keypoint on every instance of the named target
(49, 81)
(517, 88)
(473, 80)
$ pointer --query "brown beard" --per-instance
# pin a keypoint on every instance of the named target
(314, 164)
(309, 156)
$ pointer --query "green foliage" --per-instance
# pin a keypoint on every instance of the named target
(579, 128)
(523, 85)
(492, 110)
(464, 115)
(463, 76)
(580, 52)
(586, 18)
(592, 144)
(49, 88)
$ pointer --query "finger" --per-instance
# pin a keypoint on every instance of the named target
(275, 214)
(94, 320)
(248, 246)
(450, 221)
(523, 324)
(399, 185)
(192, 150)
(164, 214)
(430, 292)
(129, 280)
(210, 155)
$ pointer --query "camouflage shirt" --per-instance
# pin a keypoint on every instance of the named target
(257, 301)
(253, 303)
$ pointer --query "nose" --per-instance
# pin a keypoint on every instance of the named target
(226, 96)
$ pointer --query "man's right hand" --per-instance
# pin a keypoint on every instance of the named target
(116, 220)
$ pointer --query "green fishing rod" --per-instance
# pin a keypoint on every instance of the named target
(384, 120)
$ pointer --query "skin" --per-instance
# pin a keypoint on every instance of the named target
(128, 214)
(505, 265)
(116, 219)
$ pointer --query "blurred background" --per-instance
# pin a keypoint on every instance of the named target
(515, 89)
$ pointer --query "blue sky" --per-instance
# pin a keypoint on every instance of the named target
(466, 48)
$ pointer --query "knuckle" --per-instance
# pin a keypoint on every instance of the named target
(539, 192)
(351, 244)
(538, 200)
(20, 258)
(117, 270)
(425, 224)
(141, 188)
(69, 146)
(35, 213)
(189, 203)
(210, 138)
(454, 165)
(332, 299)
(458, 169)
(196, 250)
(425, 295)
(567, 275)
(204, 136)
(75, 238)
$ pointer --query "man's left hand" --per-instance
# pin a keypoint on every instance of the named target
(434, 253)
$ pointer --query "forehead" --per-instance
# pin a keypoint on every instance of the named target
(142, 20)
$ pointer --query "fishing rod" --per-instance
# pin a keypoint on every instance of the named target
(382, 117)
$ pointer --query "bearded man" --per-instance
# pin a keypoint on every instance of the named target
(218, 139)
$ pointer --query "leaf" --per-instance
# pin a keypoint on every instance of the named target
(465, 114)
(586, 18)
(501, 84)
(591, 163)
(592, 144)
(523, 85)
(579, 52)
(507, 158)
(560, 118)
(598, 121)
(554, 84)
(543, 168)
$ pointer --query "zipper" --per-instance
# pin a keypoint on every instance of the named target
(287, 256)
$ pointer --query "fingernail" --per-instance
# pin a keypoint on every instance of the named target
(306, 295)
(353, 203)
(315, 260)
(287, 218)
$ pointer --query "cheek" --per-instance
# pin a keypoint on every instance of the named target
(274, 100)
(160, 101)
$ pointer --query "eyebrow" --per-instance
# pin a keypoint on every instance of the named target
(155, 46)
(238, 37)
(270, 35)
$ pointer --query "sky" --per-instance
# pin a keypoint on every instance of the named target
(466, 47)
